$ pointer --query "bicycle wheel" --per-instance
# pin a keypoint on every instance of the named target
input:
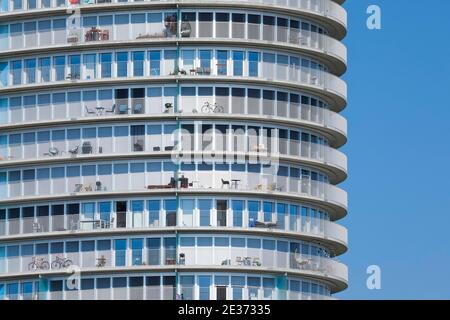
(206, 108)
(67, 263)
(218, 109)
(56, 264)
(31, 266)
(45, 265)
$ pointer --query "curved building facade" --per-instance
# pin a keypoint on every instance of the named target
(172, 149)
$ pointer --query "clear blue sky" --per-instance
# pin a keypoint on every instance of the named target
(399, 153)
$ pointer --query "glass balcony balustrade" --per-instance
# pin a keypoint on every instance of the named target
(73, 223)
(205, 144)
(223, 257)
(254, 178)
(293, 74)
(139, 286)
(254, 205)
(322, 7)
(313, 37)
(247, 104)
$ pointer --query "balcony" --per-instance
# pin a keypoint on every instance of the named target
(194, 258)
(291, 76)
(44, 226)
(192, 32)
(325, 9)
(139, 144)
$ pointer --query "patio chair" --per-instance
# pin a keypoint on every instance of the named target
(168, 106)
(89, 111)
(78, 187)
(273, 187)
(256, 262)
(123, 108)
(138, 145)
(113, 108)
(52, 152)
(98, 186)
(74, 151)
(173, 182)
(225, 182)
(137, 109)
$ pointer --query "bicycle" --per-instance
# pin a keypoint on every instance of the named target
(208, 108)
(38, 264)
(60, 262)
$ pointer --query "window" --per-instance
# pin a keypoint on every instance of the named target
(28, 175)
(105, 20)
(44, 69)
(253, 210)
(16, 72)
(205, 60)
(238, 63)
(122, 19)
(187, 287)
(72, 247)
(170, 207)
(138, 63)
(58, 135)
(238, 208)
(253, 18)
(88, 210)
(268, 288)
(281, 215)
(90, 63)
(120, 246)
(56, 247)
(169, 251)
(104, 209)
(122, 64)
(12, 291)
(17, 5)
(187, 207)
(105, 65)
(73, 171)
(253, 62)
(41, 249)
(222, 59)
(120, 282)
(27, 290)
(30, 70)
(137, 206)
(293, 217)
(188, 57)
(14, 176)
(204, 283)
(155, 62)
(59, 64)
(43, 174)
(154, 251)
(75, 67)
(89, 22)
(205, 212)
(136, 251)
(153, 212)
(29, 137)
(120, 168)
(103, 283)
(237, 283)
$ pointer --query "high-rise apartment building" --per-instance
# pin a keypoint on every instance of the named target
(172, 149)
